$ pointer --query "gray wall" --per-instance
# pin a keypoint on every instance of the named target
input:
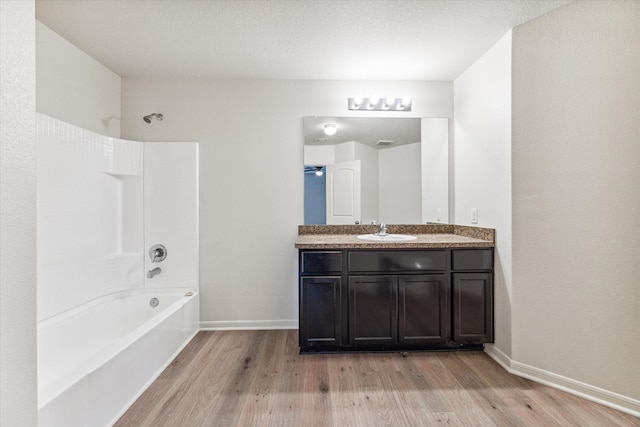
(18, 393)
(576, 195)
(73, 87)
(482, 167)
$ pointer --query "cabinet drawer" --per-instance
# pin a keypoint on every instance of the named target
(322, 262)
(472, 259)
(390, 261)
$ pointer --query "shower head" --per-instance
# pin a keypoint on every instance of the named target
(148, 118)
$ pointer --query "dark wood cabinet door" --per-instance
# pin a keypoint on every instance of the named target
(472, 307)
(423, 309)
(373, 310)
(320, 311)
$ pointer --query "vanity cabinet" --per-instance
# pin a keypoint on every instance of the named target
(393, 299)
(373, 310)
(472, 289)
(320, 299)
(423, 316)
(403, 309)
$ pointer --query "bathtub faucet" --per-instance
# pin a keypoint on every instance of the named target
(154, 272)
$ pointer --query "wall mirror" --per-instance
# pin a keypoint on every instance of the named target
(363, 169)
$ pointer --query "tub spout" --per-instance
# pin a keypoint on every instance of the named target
(154, 272)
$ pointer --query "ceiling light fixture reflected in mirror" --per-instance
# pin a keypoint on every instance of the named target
(330, 129)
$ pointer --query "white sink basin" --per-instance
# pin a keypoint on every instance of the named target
(387, 238)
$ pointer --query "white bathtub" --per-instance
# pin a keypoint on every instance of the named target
(94, 361)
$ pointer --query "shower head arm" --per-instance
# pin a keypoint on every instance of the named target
(148, 118)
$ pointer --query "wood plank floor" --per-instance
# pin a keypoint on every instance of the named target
(257, 378)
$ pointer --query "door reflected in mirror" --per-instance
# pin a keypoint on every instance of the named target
(393, 170)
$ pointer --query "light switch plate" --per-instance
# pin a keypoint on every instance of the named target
(474, 215)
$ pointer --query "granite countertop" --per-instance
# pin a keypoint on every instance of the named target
(428, 236)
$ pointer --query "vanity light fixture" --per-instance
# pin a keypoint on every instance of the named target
(374, 103)
(330, 129)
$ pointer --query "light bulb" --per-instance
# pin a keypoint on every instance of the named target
(390, 100)
(318, 172)
(405, 101)
(357, 101)
(330, 129)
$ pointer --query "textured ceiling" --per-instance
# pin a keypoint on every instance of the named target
(294, 39)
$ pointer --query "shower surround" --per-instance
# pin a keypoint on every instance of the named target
(102, 204)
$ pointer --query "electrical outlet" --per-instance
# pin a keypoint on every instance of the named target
(438, 217)
(474, 215)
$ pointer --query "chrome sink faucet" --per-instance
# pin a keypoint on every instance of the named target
(383, 229)
(154, 272)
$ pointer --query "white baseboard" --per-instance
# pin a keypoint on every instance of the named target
(595, 394)
(496, 354)
(243, 325)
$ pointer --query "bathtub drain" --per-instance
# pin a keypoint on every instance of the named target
(154, 302)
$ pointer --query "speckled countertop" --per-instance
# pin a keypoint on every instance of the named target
(428, 236)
